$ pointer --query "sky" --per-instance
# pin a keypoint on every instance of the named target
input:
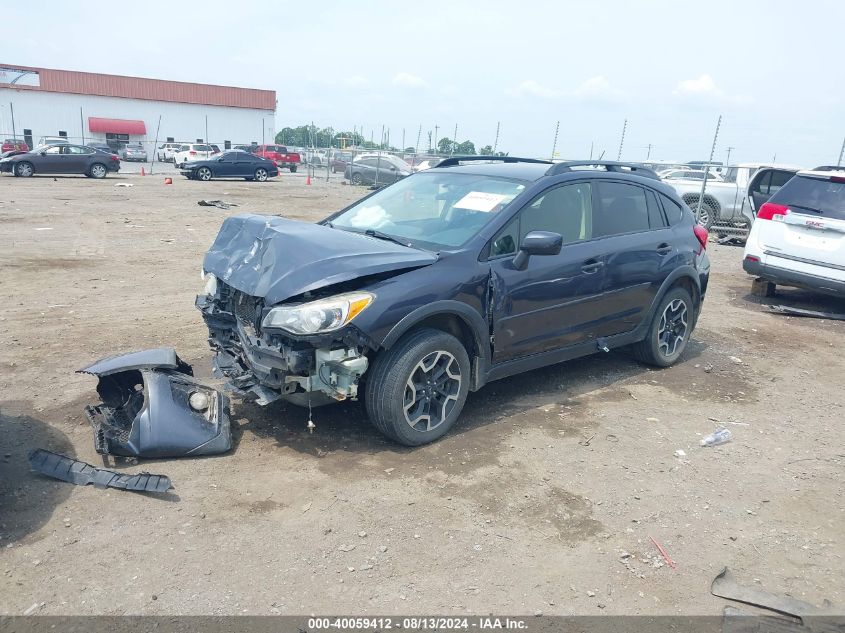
(772, 69)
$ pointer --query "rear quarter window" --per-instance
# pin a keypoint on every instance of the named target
(674, 211)
(813, 195)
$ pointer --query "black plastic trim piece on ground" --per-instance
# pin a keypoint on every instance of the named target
(79, 473)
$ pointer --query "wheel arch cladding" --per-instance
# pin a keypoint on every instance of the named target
(452, 317)
(687, 279)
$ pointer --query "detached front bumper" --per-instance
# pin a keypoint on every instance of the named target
(270, 365)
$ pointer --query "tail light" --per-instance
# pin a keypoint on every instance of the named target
(113, 157)
(701, 234)
(772, 211)
(192, 153)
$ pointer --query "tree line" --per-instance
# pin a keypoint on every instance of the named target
(313, 136)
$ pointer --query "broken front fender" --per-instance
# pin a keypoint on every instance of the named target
(153, 407)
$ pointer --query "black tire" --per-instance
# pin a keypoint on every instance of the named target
(387, 392)
(204, 174)
(98, 170)
(24, 169)
(260, 174)
(660, 347)
(293, 169)
(357, 178)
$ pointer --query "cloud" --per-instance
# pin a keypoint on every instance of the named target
(598, 89)
(356, 81)
(531, 88)
(705, 89)
(407, 79)
(703, 85)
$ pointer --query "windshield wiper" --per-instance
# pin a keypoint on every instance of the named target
(801, 206)
(385, 236)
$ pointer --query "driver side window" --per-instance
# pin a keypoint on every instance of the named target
(565, 209)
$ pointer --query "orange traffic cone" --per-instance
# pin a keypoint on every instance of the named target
(168, 181)
(142, 172)
(308, 179)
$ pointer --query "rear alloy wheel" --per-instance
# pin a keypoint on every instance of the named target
(24, 170)
(204, 174)
(261, 174)
(357, 179)
(669, 331)
(416, 390)
(98, 170)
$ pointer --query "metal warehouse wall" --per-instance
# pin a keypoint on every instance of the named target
(47, 113)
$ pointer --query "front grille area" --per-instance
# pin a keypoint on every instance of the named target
(245, 308)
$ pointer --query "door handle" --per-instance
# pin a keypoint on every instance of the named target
(591, 266)
(664, 249)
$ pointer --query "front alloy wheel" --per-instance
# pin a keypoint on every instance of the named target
(261, 174)
(204, 174)
(23, 169)
(432, 391)
(415, 391)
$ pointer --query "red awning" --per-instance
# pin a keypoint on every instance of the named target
(116, 126)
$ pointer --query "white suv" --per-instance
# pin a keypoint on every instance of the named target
(167, 151)
(192, 151)
(798, 236)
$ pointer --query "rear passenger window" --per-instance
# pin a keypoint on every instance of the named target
(622, 208)
(673, 210)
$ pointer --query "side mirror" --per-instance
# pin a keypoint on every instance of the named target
(219, 160)
(537, 243)
(43, 153)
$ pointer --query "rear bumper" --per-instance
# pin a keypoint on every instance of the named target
(786, 277)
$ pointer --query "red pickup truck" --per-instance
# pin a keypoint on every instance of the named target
(280, 155)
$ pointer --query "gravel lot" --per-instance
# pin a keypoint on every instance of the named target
(543, 499)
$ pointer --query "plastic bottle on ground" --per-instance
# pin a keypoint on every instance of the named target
(717, 437)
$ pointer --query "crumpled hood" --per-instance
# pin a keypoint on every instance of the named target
(275, 258)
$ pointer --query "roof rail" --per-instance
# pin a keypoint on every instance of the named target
(609, 165)
(453, 161)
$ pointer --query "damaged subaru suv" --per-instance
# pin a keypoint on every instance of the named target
(475, 270)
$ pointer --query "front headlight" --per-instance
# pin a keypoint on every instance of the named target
(316, 317)
(210, 288)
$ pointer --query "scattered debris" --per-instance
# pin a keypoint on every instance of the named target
(346, 548)
(124, 184)
(220, 204)
(44, 228)
(801, 312)
(587, 441)
(708, 368)
(652, 420)
(680, 453)
(725, 586)
(663, 553)
(32, 608)
(720, 436)
(735, 360)
(153, 407)
(79, 473)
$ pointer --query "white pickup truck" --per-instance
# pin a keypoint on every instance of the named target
(729, 206)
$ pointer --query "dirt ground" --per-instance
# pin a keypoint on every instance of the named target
(543, 499)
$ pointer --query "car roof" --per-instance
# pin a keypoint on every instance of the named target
(823, 174)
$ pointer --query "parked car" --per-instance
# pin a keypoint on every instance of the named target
(426, 163)
(451, 278)
(689, 174)
(233, 163)
(13, 145)
(280, 155)
(61, 159)
(372, 170)
(245, 148)
(339, 161)
(103, 147)
(798, 236)
(134, 152)
(166, 151)
(52, 140)
(724, 202)
(215, 149)
(192, 151)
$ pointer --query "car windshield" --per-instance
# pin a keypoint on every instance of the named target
(432, 210)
